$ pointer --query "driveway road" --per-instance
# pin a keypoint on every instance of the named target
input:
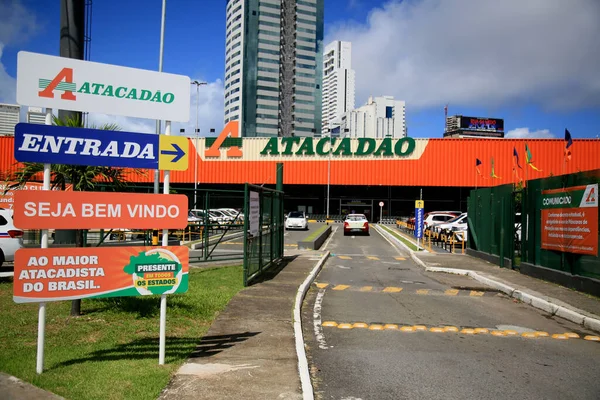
(378, 327)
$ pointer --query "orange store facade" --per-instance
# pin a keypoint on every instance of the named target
(361, 173)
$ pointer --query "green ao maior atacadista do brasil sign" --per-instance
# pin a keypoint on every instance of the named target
(308, 146)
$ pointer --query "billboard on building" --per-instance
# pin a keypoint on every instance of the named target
(482, 124)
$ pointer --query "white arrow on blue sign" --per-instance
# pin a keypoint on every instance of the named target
(419, 222)
(94, 147)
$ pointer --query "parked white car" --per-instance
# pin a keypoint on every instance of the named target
(296, 220)
(11, 238)
(437, 217)
(233, 213)
(455, 224)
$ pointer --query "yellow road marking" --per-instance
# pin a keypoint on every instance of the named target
(373, 258)
(476, 293)
(322, 285)
(423, 291)
(454, 329)
(344, 258)
(451, 292)
(341, 287)
(392, 289)
(400, 258)
(560, 336)
(366, 288)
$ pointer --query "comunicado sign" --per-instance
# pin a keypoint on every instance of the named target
(69, 84)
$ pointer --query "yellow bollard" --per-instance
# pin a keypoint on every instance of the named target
(155, 237)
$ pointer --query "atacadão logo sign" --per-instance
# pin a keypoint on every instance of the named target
(68, 84)
(63, 81)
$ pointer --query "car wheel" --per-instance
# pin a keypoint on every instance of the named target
(1, 258)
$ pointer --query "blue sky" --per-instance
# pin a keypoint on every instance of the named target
(517, 65)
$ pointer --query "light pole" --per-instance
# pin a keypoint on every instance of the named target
(198, 84)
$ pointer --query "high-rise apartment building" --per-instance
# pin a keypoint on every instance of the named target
(273, 66)
(9, 117)
(338, 82)
(381, 117)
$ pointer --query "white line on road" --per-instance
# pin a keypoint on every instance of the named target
(317, 320)
(307, 389)
(329, 238)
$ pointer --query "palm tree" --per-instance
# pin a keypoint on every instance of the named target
(82, 178)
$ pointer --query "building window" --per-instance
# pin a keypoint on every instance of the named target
(389, 112)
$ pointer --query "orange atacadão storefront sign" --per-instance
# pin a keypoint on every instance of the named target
(570, 219)
(74, 273)
(97, 210)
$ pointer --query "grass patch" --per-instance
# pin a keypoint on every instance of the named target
(111, 352)
(316, 233)
(400, 237)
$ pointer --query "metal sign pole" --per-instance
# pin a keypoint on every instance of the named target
(39, 366)
(165, 242)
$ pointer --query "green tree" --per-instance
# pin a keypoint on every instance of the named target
(82, 178)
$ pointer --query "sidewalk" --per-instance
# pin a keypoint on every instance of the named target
(249, 351)
(566, 303)
(12, 388)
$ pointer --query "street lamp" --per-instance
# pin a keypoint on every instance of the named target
(198, 84)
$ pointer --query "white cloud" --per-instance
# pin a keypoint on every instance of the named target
(525, 133)
(210, 114)
(482, 53)
(17, 24)
(8, 84)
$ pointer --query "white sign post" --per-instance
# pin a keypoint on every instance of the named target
(76, 85)
(380, 211)
(254, 213)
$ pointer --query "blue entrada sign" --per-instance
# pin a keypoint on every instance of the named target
(94, 147)
(419, 222)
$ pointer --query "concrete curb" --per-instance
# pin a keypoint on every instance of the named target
(307, 389)
(570, 314)
(386, 235)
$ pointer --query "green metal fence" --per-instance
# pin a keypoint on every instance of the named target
(491, 220)
(575, 264)
(265, 247)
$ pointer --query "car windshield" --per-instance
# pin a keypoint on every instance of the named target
(296, 214)
(456, 218)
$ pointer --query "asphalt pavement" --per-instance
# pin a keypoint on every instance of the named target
(377, 326)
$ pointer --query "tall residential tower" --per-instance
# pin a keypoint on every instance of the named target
(273, 66)
(338, 83)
